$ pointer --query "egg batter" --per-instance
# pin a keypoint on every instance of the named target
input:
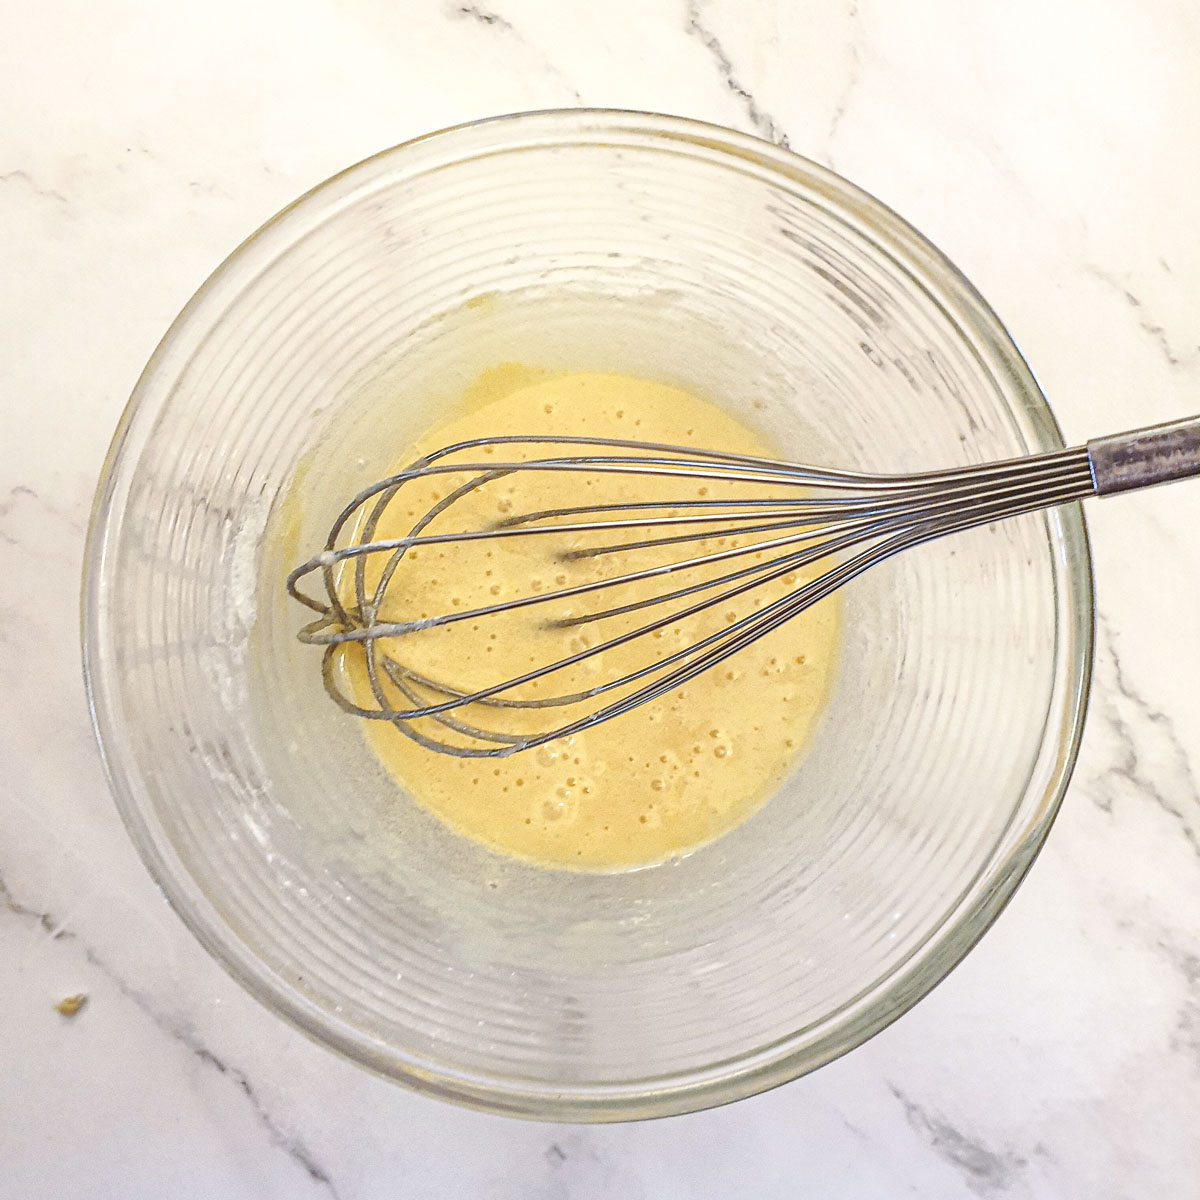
(658, 782)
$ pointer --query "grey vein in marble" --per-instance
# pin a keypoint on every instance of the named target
(1129, 768)
(490, 19)
(30, 184)
(1186, 1035)
(292, 1146)
(1147, 324)
(853, 75)
(480, 14)
(576, 1163)
(763, 122)
(986, 1172)
(6, 507)
(22, 493)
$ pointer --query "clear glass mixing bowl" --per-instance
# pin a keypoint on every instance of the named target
(587, 240)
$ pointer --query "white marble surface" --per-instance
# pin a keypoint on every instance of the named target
(1048, 145)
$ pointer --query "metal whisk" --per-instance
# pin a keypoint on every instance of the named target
(691, 556)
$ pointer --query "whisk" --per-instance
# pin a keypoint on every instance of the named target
(782, 534)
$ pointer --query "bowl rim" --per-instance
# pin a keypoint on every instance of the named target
(887, 999)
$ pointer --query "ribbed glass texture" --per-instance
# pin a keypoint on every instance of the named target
(589, 241)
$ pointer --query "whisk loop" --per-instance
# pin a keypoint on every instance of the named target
(771, 537)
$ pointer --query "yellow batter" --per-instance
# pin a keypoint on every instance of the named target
(655, 783)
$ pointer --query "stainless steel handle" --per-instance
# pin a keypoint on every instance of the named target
(1140, 459)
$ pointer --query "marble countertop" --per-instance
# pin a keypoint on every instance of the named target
(1049, 148)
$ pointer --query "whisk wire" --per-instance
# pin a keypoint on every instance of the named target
(852, 520)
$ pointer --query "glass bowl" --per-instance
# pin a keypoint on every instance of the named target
(584, 240)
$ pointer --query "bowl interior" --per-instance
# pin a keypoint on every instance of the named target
(579, 241)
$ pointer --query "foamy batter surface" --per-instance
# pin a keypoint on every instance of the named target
(655, 783)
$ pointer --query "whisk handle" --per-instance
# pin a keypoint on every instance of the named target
(1144, 457)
